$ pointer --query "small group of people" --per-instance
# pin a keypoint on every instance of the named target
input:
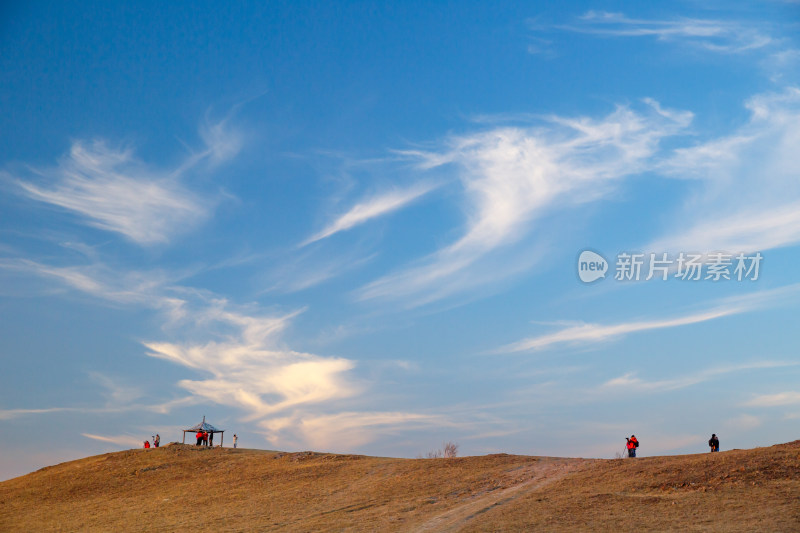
(204, 438)
(156, 442)
(632, 443)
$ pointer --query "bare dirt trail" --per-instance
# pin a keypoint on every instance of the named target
(530, 478)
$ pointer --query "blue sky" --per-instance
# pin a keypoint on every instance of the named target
(355, 227)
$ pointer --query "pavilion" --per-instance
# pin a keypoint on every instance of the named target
(205, 426)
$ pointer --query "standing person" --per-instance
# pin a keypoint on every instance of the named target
(157, 440)
(205, 438)
(235, 440)
(632, 444)
(211, 439)
(713, 443)
(199, 438)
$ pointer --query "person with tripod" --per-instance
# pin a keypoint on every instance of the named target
(632, 444)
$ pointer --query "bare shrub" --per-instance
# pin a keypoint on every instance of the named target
(450, 449)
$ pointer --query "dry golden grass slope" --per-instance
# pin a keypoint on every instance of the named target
(186, 488)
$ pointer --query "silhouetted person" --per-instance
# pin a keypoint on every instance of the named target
(713, 443)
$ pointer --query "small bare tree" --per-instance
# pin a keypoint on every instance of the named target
(450, 450)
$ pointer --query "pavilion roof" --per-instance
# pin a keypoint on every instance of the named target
(205, 426)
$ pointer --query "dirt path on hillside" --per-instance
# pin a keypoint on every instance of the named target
(530, 478)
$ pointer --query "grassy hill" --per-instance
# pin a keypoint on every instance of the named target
(183, 487)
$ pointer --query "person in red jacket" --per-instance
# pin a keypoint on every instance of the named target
(146, 444)
(199, 438)
(632, 444)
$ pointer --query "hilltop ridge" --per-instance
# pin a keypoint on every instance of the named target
(181, 486)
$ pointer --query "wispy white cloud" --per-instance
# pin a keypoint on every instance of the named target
(293, 396)
(161, 408)
(312, 268)
(248, 365)
(630, 381)
(345, 430)
(783, 65)
(714, 35)
(8, 414)
(513, 176)
(369, 209)
(764, 43)
(127, 441)
(589, 333)
(152, 289)
(750, 229)
(541, 47)
(777, 399)
(111, 189)
(249, 369)
(743, 422)
(117, 393)
(749, 197)
(222, 141)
